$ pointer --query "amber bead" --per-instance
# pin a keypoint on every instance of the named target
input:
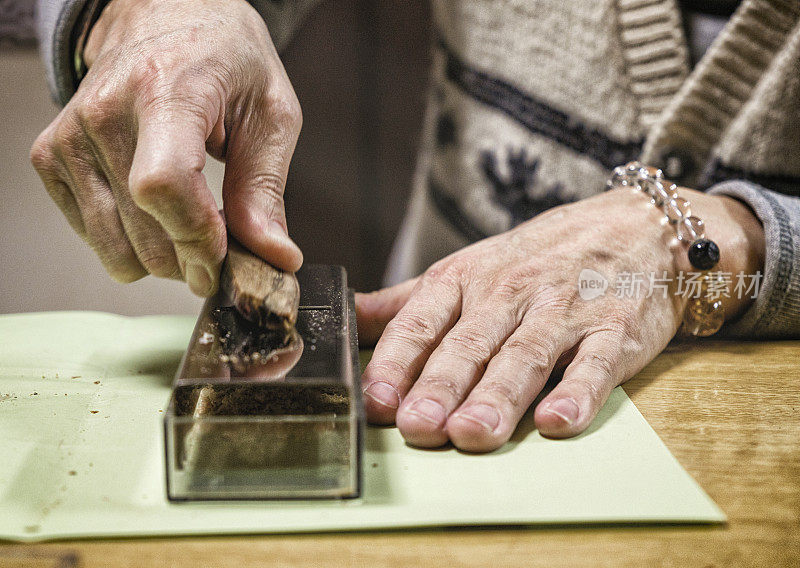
(703, 317)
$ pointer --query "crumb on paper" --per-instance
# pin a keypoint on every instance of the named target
(73, 472)
(97, 382)
(35, 394)
(94, 411)
(75, 377)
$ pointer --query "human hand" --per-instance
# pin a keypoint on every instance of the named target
(168, 81)
(465, 349)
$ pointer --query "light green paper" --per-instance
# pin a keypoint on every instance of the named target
(69, 472)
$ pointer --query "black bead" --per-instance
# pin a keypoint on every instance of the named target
(703, 254)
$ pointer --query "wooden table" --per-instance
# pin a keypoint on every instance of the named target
(730, 413)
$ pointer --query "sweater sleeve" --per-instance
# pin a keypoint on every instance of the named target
(776, 310)
(56, 20)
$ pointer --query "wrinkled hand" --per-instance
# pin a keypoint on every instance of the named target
(469, 345)
(124, 159)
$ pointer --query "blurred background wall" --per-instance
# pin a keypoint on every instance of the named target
(360, 70)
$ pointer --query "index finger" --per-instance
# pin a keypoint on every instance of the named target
(166, 180)
(405, 346)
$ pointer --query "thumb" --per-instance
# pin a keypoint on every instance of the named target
(257, 160)
(376, 309)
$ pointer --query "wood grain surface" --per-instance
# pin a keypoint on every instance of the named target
(730, 413)
(262, 293)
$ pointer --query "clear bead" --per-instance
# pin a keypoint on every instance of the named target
(645, 185)
(691, 228)
(684, 206)
(672, 211)
(660, 194)
(618, 177)
(676, 209)
(703, 317)
(673, 191)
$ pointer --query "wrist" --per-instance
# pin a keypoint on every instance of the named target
(740, 237)
(717, 246)
(130, 20)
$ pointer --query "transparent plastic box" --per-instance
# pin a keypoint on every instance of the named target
(287, 428)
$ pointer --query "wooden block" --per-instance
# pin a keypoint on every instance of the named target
(262, 293)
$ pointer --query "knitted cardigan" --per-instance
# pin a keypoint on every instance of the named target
(532, 103)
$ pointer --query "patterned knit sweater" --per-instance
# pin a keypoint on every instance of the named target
(534, 101)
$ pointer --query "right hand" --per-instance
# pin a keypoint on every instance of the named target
(124, 159)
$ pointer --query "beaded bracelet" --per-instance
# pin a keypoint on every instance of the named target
(704, 314)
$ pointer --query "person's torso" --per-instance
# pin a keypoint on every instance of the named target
(534, 102)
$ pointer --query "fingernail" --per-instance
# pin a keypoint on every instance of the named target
(565, 408)
(199, 279)
(429, 410)
(383, 393)
(483, 414)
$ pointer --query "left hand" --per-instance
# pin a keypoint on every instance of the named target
(465, 349)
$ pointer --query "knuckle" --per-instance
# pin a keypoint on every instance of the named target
(284, 109)
(506, 391)
(555, 298)
(623, 323)
(448, 271)
(534, 354)
(270, 185)
(67, 137)
(599, 362)
(593, 389)
(150, 70)
(158, 262)
(114, 253)
(385, 369)
(412, 327)
(153, 184)
(142, 74)
(205, 239)
(515, 280)
(510, 288)
(204, 233)
(98, 109)
(42, 156)
(445, 385)
(474, 345)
